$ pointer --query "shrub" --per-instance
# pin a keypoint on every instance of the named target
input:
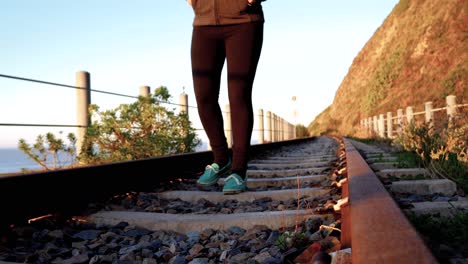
(140, 130)
(50, 151)
(443, 147)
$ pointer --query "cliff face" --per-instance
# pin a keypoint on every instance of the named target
(418, 54)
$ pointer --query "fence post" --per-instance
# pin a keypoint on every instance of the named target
(400, 121)
(409, 114)
(261, 138)
(291, 131)
(381, 125)
(451, 106)
(227, 125)
(268, 126)
(273, 127)
(285, 130)
(376, 125)
(276, 128)
(144, 91)
(369, 125)
(428, 113)
(294, 132)
(282, 128)
(183, 103)
(389, 125)
(83, 100)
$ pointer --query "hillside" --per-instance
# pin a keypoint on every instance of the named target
(418, 54)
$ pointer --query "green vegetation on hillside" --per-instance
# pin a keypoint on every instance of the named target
(382, 80)
(417, 55)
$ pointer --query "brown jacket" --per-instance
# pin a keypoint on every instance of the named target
(226, 12)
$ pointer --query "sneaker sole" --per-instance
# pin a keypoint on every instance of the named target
(207, 184)
(232, 191)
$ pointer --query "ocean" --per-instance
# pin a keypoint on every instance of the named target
(14, 160)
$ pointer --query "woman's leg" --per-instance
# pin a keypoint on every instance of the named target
(207, 56)
(243, 47)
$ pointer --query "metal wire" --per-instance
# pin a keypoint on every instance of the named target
(77, 87)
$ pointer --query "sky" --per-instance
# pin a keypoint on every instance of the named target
(308, 48)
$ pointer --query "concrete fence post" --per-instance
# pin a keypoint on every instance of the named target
(389, 125)
(376, 124)
(83, 100)
(291, 131)
(451, 106)
(144, 91)
(227, 125)
(268, 127)
(409, 114)
(399, 121)
(429, 115)
(276, 128)
(285, 129)
(381, 125)
(370, 124)
(261, 130)
(294, 132)
(273, 127)
(183, 103)
(281, 128)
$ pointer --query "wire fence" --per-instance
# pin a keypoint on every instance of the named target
(272, 127)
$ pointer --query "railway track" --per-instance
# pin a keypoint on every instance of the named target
(299, 206)
(290, 189)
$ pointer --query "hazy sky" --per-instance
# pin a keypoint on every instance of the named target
(308, 48)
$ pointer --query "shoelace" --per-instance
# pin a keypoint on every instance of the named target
(233, 177)
(211, 168)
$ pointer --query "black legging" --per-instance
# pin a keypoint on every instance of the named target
(240, 45)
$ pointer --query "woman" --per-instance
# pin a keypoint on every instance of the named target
(231, 31)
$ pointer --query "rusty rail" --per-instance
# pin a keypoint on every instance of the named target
(374, 225)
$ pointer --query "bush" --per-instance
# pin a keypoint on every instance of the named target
(50, 151)
(443, 147)
(140, 130)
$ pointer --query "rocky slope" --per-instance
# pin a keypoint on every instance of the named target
(418, 54)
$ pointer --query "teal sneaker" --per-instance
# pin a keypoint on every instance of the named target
(212, 174)
(234, 184)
